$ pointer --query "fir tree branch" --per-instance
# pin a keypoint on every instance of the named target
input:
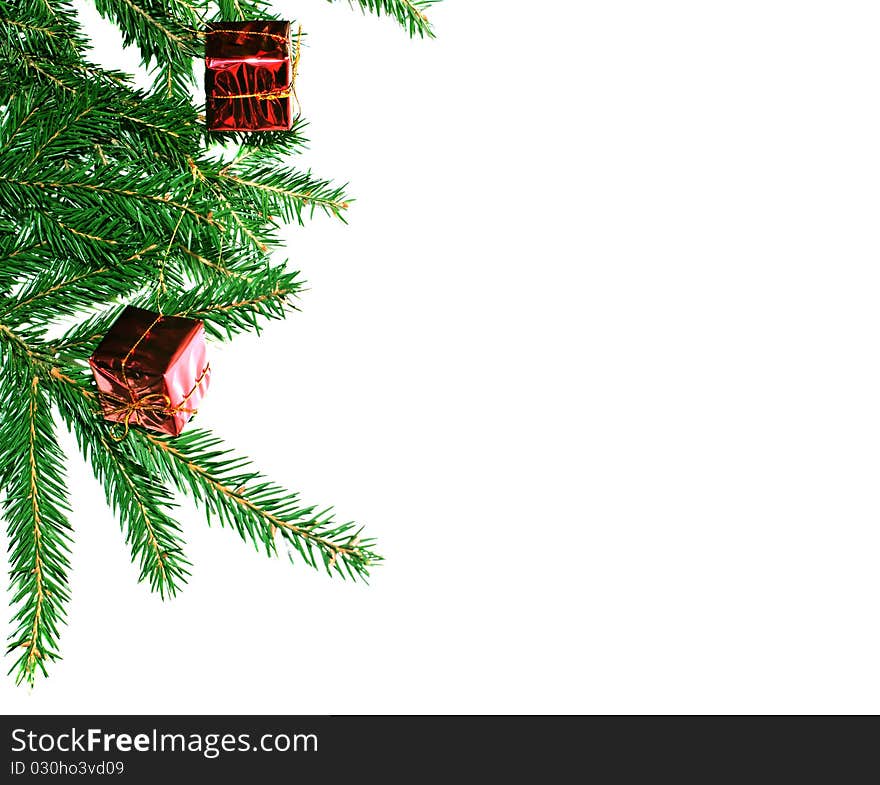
(82, 235)
(229, 306)
(152, 21)
(99, 188)
(246, 228)
(64, 127)
(25, 261)
(242, 10)
(44, 298)
(35, 510)
(164, 33)
(236, 494)
(139, 499)
(50, 31)
(13, 125)
(213, 268)
(242, 225)
(288, 194)
(241, 498)
(61, 13)
(41, 71)
(409, 13)
(22, 344)
(81, 340)
(70, 237)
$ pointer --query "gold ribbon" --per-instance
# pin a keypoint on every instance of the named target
(268, 95)
(273, 36)
(157, 403)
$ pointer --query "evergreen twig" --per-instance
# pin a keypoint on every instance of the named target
(35, 509)
(412, 14)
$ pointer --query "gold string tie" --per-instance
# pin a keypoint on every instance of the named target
(155, 403)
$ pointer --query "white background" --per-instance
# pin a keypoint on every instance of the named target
(596, 360)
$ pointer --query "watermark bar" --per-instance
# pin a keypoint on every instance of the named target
(256, 749)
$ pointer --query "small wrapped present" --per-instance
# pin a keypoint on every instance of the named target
(249, 73)
(151, 370)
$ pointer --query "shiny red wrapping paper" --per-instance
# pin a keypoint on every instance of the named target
(152, 370)
(249, 76)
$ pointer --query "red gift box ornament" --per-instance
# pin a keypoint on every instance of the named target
(151, 370)
(249, 76)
